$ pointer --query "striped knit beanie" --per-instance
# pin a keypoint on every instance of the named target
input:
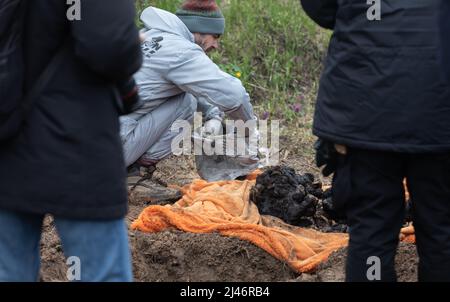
(202, 16)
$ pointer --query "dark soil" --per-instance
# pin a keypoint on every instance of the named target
(297, 199)
(178, 256)
(282, 193)
(53, 266)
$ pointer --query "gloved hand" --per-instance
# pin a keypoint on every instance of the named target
(213, 127)
(327, 155)
(252, 144)
(253, 141)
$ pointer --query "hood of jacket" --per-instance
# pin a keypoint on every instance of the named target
(164, 21)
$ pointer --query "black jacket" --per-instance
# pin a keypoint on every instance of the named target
(445, 37)
(68, 159)
(382, 87)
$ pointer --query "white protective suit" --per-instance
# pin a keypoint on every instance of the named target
(176, 80)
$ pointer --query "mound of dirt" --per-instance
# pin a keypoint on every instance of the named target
(177, 256)
(174, 256)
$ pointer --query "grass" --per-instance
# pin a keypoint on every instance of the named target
(277, 51)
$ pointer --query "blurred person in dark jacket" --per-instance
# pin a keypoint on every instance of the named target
(67, 160)
(382, 115)
(445, 37)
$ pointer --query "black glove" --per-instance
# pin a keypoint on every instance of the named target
(326, 155)
(129, 94)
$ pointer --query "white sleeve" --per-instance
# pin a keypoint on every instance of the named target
(196, 74)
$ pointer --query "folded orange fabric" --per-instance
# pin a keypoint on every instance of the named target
(407, 234)
(224, 207)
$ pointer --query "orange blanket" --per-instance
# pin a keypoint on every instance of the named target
(224, 207)
(408, 235)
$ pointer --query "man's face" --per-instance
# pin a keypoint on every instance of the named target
(207, 42)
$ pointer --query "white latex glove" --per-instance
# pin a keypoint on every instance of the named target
(253, 144)
(213, 127)
(253, 139)
(251, 156)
